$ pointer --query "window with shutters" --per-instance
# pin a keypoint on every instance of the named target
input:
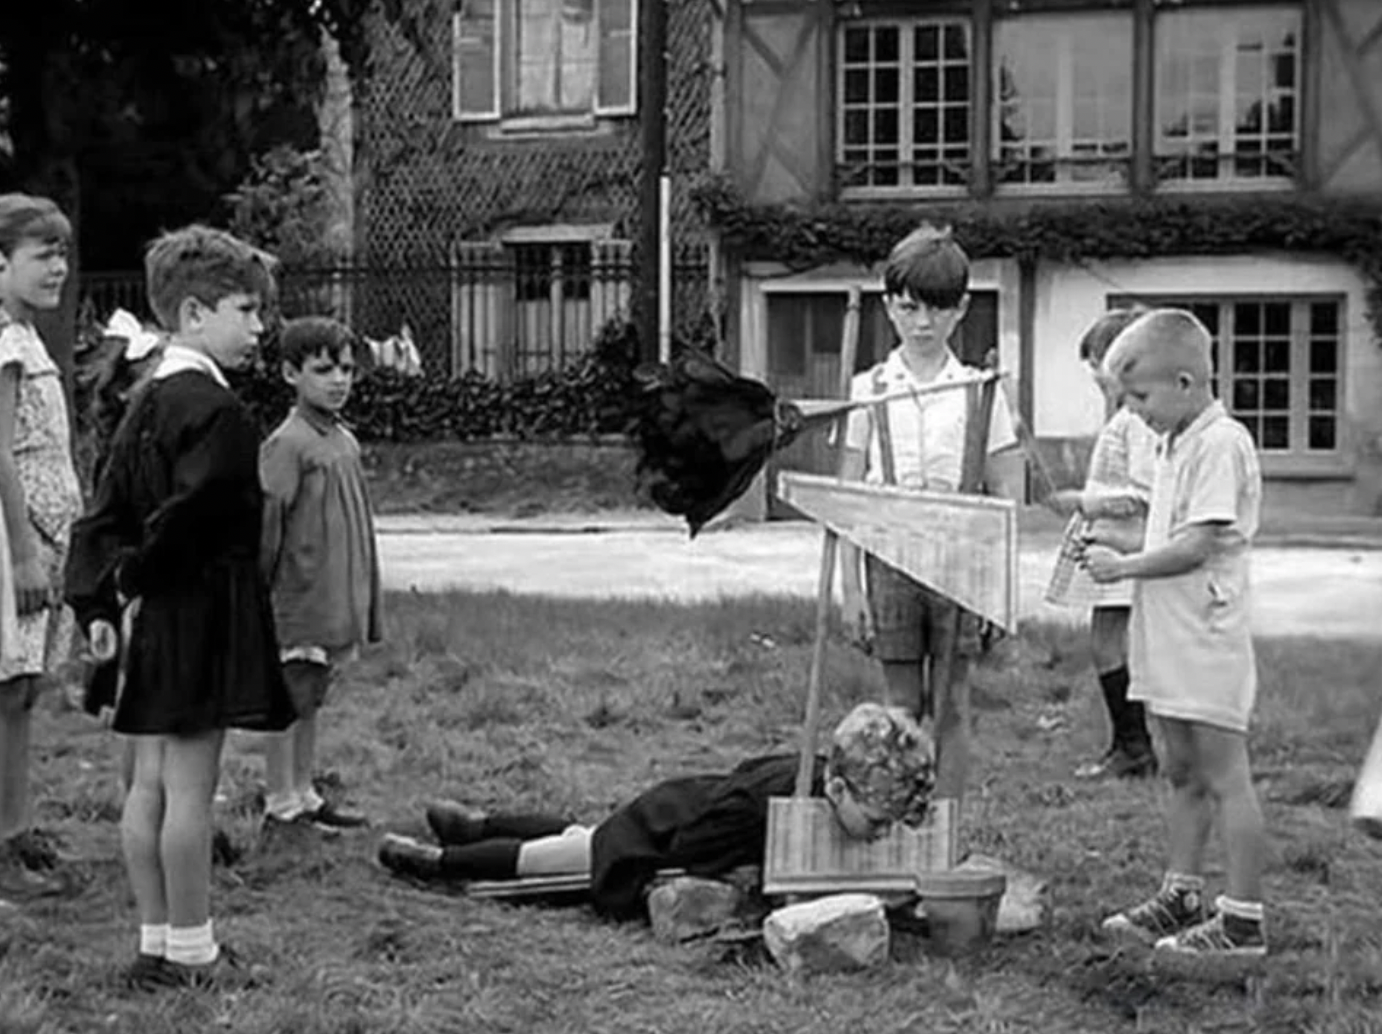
(544, 63)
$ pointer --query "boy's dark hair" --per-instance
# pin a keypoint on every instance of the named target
(206, 264)
(308, 336)
(1094, 345)
(25, 217)
(929, 266)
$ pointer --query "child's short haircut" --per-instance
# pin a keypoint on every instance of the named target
(929, 266)
(1094, 345)
(206, 264)
(24, 217)
(308, 336)
(1163, 341)
(886, 760)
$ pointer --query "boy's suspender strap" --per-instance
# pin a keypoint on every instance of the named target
(879, 415)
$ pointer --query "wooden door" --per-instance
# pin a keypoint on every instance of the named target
(804, 338)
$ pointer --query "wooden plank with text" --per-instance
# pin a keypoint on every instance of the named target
(963, 546)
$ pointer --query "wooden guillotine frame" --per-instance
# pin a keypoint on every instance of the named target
(964, 546)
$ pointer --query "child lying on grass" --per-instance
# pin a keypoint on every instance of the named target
(880, 770)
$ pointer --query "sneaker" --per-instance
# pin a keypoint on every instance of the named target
(301, 823)
(1165, 915)
(147, 973)
(332, 817)
(455, 824)
(1220, 936)
(408, 857)
(1097, 768)
(1120, 763)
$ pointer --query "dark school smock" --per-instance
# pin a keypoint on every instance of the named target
(708, 825)
(176, 524)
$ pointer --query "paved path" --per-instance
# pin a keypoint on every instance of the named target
(1298, 590)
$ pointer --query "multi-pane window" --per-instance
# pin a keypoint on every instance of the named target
(1227, 93)
(1063, 100)
(904, 92)
(1278, 366)
(542, 58)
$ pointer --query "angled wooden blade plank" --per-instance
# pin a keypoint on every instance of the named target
(963, 546)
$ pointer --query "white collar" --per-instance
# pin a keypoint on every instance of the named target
(897, 369)
(178, 358)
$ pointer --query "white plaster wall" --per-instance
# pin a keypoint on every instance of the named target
(1070, 298)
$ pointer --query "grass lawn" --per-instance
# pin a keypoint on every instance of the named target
(511, 701)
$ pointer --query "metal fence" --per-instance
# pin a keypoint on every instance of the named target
(505, 311)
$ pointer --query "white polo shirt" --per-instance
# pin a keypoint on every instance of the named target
(928, 431)
(1190, 642)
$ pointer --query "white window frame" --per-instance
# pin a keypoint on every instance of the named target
(1064, 182)
(1297, 457)
(906, 28)
(504, 13)
(1227, 177)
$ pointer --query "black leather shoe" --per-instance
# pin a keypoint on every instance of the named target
(408, 857)
(454, 824)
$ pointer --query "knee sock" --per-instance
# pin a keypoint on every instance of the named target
(523, 827)
(494, 859)
(1128, 718)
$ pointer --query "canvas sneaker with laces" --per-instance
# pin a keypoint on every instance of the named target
(1170, 911)
(1222, 935)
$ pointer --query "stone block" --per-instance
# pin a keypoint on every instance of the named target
(832, 934)
(687, 908)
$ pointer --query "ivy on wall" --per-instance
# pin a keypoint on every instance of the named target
(804, 236)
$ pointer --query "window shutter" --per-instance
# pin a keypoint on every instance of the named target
(475, 54)
(618, 62)
(482, 307)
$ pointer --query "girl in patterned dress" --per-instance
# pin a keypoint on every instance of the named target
(1117, 488)
(41, 497)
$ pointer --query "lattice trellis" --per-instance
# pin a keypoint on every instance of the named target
(426, 183)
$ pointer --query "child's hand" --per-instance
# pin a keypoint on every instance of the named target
(32, 590)
(1103, 564)
(105, 642)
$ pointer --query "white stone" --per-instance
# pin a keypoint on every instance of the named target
(841, 932)
(686, 908)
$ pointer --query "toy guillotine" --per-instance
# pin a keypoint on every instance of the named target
(962, 545)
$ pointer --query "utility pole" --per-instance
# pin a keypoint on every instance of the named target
(652, 124)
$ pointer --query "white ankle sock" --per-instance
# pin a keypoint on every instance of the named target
(192, 945)
(285, 806)
(309, 800)
(1251, 910)
(153, 939)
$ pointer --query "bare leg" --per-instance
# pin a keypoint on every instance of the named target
(1190, 814)
(15, 732)
(567, 853)
(304, 734)
(140, 824)
(1223, 758)
(191, 768)
(952, 731)
(279, 765)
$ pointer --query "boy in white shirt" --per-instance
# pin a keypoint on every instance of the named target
(926, 286)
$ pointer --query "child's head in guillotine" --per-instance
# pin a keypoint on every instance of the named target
(881, 770)
(209, 288)
(926, 288)
(1163, 365)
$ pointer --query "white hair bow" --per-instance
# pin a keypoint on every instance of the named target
(140, 341)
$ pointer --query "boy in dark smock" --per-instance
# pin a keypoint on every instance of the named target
(879, 771)
(169, 554)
